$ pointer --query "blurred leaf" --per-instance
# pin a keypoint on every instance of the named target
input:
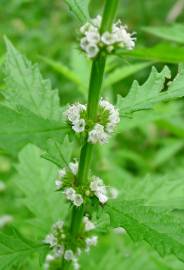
(161, 228)
(79, 8)
(58, 153)
(35, 178)
(173, 32)
(15, 249)
(121, 73)
(22, 127)
(165, 53)
(25, 87)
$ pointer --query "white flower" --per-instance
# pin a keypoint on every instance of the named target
(68, 255)
(108, 38)
(2, 186)
(93, 37)
(103, 198)
(58, 225)
(97, 21)
(49, 258)
(99, 189)
(91, 241)
(73, 112)
(84, 43)
(50, 240)
(98, 135)
(122, 36)
(88, 224)
(92, 50)
(61, 173)
(58, 251)
(58, 184)
(79, 125)
(119, 230)
(87, 27)
(78, 200)
(70, 193)
(74, 167)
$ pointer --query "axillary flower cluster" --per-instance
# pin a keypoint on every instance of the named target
(92, 41)
(58, 239)
(99, 131)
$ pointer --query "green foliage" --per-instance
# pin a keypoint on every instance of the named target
(58, 153)
(164, 53)
(161, 228)
(21, 127)
(174, 32)
(35, 178)
(15, 249)
(79, 8)
(25, 87)
(150, 93)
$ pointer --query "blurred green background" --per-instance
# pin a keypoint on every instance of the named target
(47, 33)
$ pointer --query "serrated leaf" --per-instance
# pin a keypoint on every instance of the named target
(15, 249)
(173, 32)
(35, 178)
(150, 93)
(26, 87)
(58, 153)
(22, 127)
(161, 228)
(79, 8)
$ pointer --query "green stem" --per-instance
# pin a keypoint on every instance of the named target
(96, 79)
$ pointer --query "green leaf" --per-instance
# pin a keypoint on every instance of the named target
(173, 32)
(121, 73)
(161, 228)
(79, 8)
(26, 87)
(15, 249)
(150, 93)
(22, 127)
(165, 53)
(58, 153)
(35, 178)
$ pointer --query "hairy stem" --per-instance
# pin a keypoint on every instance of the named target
(96, 79)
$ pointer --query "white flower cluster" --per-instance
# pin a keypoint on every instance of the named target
(74, 197)
(69, 192)
(56, 241)
(74, 116)
(101, 132)
(92, 41)
(102, 192)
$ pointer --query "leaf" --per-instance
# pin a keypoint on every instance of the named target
(173, 32)
(150, 93)
(35, 178)
(161, 228)
(26, 87)
(123, 72)
(58, 153)
(80, 9)
(164, 53)
(22, 127)
(15, 249)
